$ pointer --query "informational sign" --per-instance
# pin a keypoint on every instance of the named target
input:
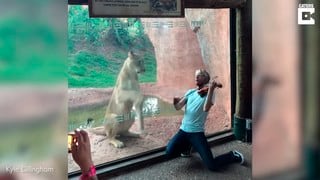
(136, 8)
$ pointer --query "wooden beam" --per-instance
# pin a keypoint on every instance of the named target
(214, 3)
(77, 2)
(193, 3)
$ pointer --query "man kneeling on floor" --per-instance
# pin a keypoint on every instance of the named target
(198, 102)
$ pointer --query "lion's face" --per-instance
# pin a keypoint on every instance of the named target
(137, 63)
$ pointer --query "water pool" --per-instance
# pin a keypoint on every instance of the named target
(93, 115)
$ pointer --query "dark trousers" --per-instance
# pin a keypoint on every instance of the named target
(183, 140)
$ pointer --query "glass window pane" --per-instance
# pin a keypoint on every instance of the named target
(170, 49)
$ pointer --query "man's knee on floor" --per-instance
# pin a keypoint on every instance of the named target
(169, 154)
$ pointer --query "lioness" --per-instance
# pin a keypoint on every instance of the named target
(125, 96)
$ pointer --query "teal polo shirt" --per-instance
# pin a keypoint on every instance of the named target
(194, 117)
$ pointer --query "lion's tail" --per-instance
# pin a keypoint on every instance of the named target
(98, 131)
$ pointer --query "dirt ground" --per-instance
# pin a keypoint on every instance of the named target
(158, 130)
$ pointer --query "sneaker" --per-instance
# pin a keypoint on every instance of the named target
(239, 156)
(186, 153)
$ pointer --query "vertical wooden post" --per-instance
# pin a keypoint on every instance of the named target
(243, 70)
(310, 43)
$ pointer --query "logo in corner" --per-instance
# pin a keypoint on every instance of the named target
(306, 14)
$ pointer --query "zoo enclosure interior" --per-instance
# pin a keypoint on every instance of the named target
(172, 49)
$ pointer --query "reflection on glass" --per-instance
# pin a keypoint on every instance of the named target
(151, 107)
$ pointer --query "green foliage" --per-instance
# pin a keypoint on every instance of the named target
(99, 32)
(119, 55)
(89, 70)
(30, 53)
(98, 47)
(151, 68)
